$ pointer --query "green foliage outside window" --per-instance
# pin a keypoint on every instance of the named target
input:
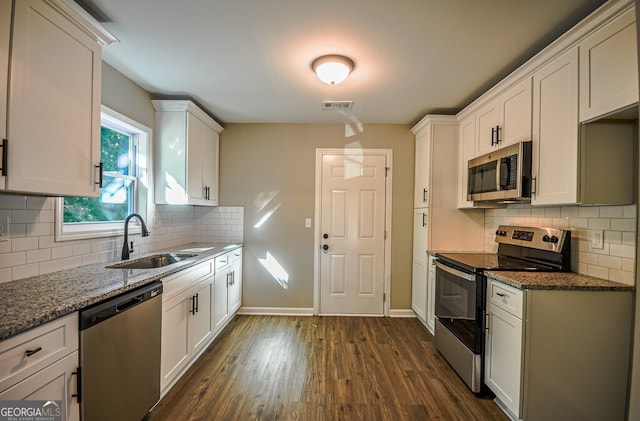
(114, 202)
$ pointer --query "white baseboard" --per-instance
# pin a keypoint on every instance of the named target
(302, 311)
(275, 311)
(402, 313)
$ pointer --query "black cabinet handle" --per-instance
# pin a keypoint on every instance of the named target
(196, 299)
(100, 169)
(493, 136)
(424, 219)
(30, 352)
(498, 140)
(424, 195)
(78, 374)
(5, 156)
(193, 305)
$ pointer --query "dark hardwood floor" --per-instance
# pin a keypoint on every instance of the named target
(322, 368)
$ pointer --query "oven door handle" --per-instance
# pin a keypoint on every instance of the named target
(456, 272)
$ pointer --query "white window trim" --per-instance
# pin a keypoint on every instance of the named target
(67, 232)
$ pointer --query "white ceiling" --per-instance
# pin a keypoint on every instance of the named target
(248, 61)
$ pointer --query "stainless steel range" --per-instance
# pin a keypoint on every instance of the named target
(461, 291)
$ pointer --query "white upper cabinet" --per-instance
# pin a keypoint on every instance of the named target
(422, 166)
(187, 147)
(555, 131)
(609, 68)
(53, 111)
(466, 151)
(504, 120)
(5, 39)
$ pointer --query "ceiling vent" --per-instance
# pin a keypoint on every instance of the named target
(337, 105)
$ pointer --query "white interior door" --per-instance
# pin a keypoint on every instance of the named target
(352, 231)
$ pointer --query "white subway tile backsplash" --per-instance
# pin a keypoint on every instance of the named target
(626, 224)
(31, 248)
(623, 250)
(611, 211)
(616, 261)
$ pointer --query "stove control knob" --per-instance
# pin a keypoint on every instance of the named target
(546, 238)
(498, 232)
(553, 239)
(501, 233)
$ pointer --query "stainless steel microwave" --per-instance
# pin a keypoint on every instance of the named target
(503, 175)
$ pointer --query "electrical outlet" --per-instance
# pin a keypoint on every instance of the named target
(596, 238)
(307, 222)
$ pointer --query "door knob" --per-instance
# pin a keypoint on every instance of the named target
(325, 235)
(325, 247)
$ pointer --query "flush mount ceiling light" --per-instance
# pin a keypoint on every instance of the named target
(332, 69)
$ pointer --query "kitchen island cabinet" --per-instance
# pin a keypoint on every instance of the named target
(186, 154)
(53, 87)
(540, 339)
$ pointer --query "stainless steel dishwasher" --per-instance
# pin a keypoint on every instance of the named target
(120, 355)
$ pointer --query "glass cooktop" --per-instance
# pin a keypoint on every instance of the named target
(478, 262)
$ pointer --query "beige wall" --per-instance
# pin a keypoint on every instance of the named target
(273, 165)
(124, 96)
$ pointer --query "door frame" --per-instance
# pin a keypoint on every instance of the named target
(317, 238)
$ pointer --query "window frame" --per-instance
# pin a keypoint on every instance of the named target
(142, 187)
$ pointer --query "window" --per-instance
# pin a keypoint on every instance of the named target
(123, 152)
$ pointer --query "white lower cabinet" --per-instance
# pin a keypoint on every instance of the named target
(40, 364)
(57, 382)
(545, 348)
(197, 304)
(503, 345)
(234, 292)
(431, 293)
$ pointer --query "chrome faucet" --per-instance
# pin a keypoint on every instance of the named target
(145, 233)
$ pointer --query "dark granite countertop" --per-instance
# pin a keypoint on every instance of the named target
(556, 280)
(29, 302)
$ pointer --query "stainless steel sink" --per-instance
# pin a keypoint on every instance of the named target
(152, 262)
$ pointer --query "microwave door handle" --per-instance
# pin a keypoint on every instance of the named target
(498, 174)
(455, 272)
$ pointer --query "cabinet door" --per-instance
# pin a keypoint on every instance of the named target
(201, 322)
(487, 119)
(175, 337)
(197, 133)
(466, 151)
(555, 131)
(515, 114)
(503, 357)
(422, 163)
(609, 68)
(431, 293)
(220, 297)
(235, 289)
(56, 382)
(210, 167)
(54, 104)
(419, 275)
(5, 28)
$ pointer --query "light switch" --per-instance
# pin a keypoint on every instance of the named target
(307, 222)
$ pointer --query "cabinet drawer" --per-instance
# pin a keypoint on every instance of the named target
(235, 256)
(45, 344)
(506, 297)
(223, 261)
(178, 282)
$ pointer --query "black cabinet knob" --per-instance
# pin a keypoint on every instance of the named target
(325, 235)
(325, 247)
